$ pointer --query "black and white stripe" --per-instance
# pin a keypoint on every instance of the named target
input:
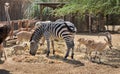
(51, 30)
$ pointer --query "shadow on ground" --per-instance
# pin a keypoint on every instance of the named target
(2, 71)
(113, 58)
(70, 61)
(1, 62)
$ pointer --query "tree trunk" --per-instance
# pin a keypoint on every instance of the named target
(89, 23)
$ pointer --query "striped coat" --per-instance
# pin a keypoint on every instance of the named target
(51, 30)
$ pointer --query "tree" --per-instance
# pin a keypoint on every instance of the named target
(92, 6)
(98, 8)
(33, 9)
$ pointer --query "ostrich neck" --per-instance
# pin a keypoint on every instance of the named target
(7, 16)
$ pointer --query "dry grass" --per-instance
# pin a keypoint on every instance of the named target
(40, 64)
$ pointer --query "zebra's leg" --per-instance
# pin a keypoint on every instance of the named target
(53, 47)
(47, 38)
(68, 50)
(72, 54)
(69, 46)
(48, 47)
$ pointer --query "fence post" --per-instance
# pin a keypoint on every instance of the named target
(89, 23)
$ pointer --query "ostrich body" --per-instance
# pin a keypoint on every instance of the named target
(4, 30)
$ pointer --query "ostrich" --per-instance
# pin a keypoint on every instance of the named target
(4, 30)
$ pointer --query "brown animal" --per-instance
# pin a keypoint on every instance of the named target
(96, 46)
(23, 36)
(19, 49)
(92, 45)
(83, 41)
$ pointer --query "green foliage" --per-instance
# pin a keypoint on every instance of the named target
(75, 6)
(91, 6)
(33, 9)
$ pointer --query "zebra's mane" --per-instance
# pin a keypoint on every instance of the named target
(34, 33)
(31, 37)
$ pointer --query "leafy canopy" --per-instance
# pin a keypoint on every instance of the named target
(91, 6)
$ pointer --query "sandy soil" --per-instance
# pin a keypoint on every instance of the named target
(40, 64)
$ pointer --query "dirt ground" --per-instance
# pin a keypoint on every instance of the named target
(40, 64)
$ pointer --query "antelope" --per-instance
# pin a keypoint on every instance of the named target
(83, 41)
(96, 46)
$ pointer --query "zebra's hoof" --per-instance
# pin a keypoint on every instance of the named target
(33, 54)
(72, 56)
(48, 54)
(64, 59)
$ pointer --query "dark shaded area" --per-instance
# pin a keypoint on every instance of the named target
(2, 71)
(108, 64)
(76, 63)
(113, 58)
(113, 19)
(1, 62)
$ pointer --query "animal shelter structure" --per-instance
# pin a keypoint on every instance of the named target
(52, 5)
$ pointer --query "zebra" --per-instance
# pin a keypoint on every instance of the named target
(51, 30)
(39, 24)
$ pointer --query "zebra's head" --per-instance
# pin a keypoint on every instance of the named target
(33, 47)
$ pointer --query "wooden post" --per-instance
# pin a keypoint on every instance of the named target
(107, 27)
(89, 23)
(27, 24)
(19, 25)
(41, 8)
